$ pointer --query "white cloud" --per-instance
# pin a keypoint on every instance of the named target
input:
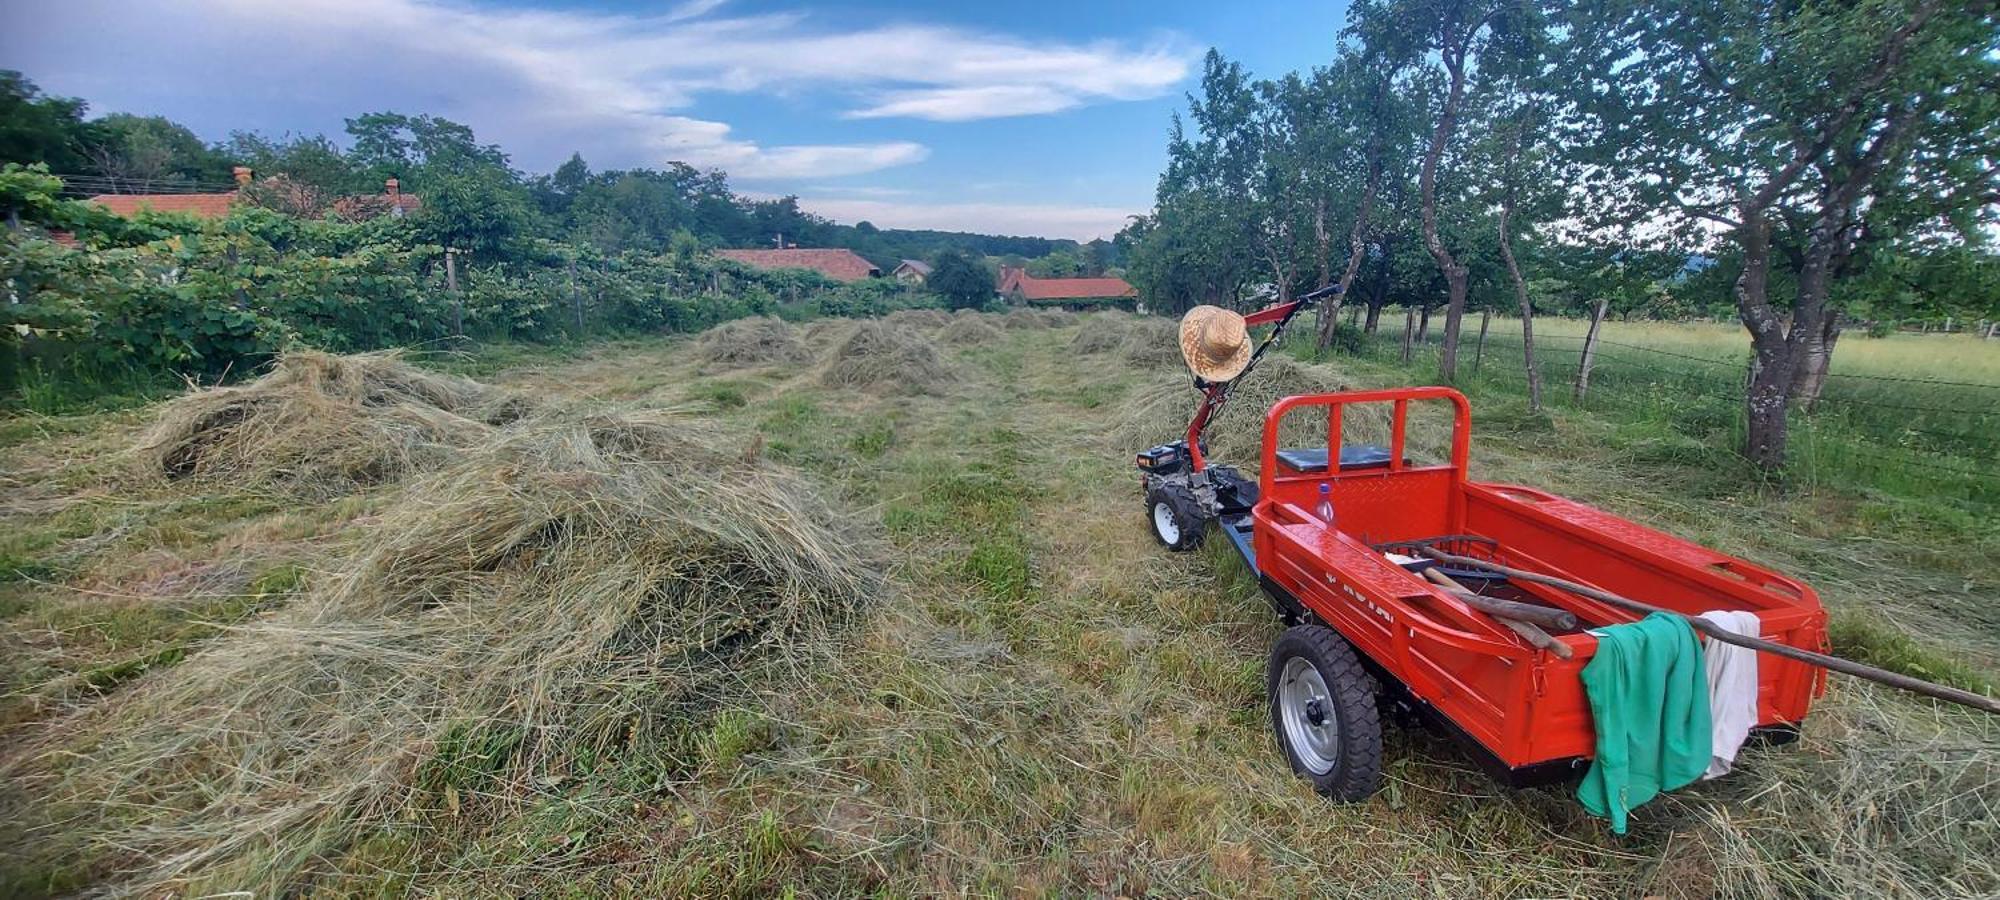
(1078, 222)
(963, 104)
(543, 82)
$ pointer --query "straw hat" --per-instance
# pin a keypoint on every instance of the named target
(1215, 343)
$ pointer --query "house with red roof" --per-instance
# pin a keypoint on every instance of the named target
(837, 264)
(202, 206)
(1017, 286)
(277, 193)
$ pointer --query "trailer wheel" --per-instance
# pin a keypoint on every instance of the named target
(1175, 517)
(1323, 710)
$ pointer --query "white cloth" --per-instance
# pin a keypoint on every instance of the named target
(1732, 688)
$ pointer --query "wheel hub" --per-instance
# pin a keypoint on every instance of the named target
(1305, 707)
(1165, 523)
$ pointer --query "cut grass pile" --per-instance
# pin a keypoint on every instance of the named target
(1151, 341)
(918, 319)
(967, 330)
(1099, 334)
(758, 341)
(880, 357)
(567, 589)
(324, 424)
(1160, 408)
(1023, 317)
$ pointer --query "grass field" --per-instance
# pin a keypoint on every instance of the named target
(1037, 700)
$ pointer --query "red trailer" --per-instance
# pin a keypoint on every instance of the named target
(1367, 630)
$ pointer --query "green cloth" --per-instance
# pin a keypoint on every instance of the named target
(1648, 689)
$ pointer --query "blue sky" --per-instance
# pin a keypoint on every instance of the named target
(1025, 118)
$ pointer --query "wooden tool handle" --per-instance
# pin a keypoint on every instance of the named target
(1503, 611)
(1830, 663)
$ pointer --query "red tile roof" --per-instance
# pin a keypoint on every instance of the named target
(207, 206)
(1013, 280)
(839, 265)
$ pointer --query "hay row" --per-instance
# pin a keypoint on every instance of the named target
(569, 586)
(322, 424)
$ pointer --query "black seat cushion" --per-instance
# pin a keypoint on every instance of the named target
(1313, 459)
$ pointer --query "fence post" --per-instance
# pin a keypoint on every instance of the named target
(1479, 349)
(575, 299)
(1409, 330)
(451, 284)
(1590, 349)
(1992, 327)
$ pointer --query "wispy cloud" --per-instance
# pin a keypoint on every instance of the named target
(1046, 220)
(542, 82)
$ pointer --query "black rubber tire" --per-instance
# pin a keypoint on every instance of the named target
(1188, 518)
(1357, 771)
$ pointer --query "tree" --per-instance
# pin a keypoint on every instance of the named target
(964, 283)
(141, 154)
(35, 128)
(1801, 130)
(1456, 37)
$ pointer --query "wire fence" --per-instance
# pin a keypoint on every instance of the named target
(1903, 434)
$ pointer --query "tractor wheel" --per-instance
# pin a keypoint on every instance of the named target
(1323, 709)
(1175, 517)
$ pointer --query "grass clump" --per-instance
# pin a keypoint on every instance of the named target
(322, 423)
(756, 341)
(881, 357)
(969, 329)
(570, 589)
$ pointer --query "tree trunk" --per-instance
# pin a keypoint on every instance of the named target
(1357, 249)
(1527, 307)
(1374, 317)
(1590, 349)
(1423, 325)
(1455, 275)
(1815, 362)
(1771, 360)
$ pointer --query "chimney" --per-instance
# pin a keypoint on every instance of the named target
(242, 174)
(394, 189)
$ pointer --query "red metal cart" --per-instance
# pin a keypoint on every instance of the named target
(1520, 710)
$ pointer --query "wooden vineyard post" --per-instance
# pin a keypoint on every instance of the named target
(451, 284)
(1479, 349)
(1590, 349)
(1409, 330)
(575, 299)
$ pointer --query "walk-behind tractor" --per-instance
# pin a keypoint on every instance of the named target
(1408, 588)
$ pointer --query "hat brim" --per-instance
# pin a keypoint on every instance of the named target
(1224, 369)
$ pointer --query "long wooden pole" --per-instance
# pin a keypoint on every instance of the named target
(1529, 631)
(1830, 663)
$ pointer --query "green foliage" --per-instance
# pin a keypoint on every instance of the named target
(964, 283)
(40, 129)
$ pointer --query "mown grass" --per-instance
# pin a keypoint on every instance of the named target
(1047, 704)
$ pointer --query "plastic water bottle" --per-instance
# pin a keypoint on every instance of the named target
(1325, 508)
